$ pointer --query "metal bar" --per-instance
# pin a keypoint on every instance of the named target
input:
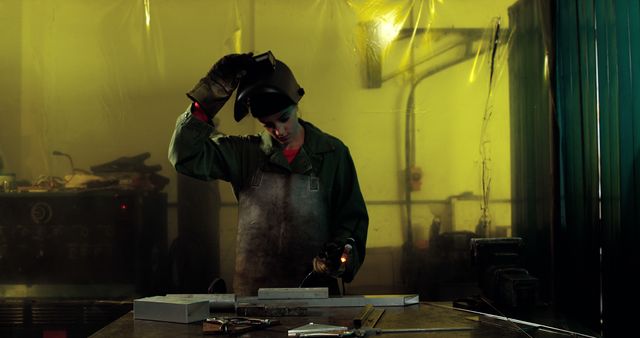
(270, 311)
(293, 293)
(346, 301)
(426, 329)
(220, 302)
(362, 316)
(373, 318)
(393, 202)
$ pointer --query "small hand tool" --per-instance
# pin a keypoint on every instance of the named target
(234, 325)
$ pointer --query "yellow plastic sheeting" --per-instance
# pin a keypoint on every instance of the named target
(103, 79)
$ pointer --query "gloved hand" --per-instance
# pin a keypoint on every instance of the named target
(215, 88)
(334, 258)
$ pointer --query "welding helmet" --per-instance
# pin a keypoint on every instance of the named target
(266, 89)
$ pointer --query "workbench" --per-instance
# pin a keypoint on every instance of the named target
(422, 315)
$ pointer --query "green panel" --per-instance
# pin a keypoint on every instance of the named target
(619, 56)
(576, 241)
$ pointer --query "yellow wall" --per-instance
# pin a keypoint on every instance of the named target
(97, 82)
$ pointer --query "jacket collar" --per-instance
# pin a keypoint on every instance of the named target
(310, 156)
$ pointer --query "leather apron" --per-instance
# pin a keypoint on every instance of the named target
(282, 225)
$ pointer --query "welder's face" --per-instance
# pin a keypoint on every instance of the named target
(284, 125)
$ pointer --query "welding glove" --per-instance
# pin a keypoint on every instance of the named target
(215, 88)
(335, 258)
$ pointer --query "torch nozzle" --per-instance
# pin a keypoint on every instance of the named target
(345, 253)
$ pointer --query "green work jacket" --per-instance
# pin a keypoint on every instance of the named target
(198, 150)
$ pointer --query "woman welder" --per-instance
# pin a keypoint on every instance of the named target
(299, 201)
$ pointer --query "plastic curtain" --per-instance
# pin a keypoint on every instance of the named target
(577, 234)
(618, 42)
(532, 137)
(107, 78)
(598, 113)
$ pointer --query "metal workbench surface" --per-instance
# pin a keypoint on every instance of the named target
(423, 315)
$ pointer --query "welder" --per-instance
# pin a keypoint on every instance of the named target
(299, 200)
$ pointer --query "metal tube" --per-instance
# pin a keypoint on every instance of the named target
(430, 329)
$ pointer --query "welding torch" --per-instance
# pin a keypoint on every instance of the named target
(332, 259)
(345, 256)
(336, 257)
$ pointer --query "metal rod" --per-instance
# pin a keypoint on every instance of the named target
(539, 326)
(425, 329)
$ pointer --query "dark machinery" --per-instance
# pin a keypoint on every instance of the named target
(501, 275)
